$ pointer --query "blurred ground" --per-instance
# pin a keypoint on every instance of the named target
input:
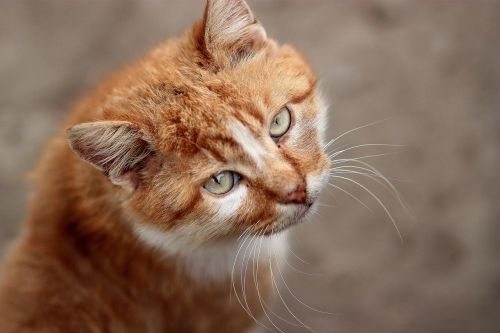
(432, 69)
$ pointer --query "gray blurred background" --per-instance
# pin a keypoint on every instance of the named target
(429, 69)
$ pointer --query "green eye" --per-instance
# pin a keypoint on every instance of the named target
(222, 183)
(281, 123)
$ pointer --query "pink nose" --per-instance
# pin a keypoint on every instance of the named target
(298, 195)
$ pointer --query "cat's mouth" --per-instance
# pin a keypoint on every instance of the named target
(292, 215)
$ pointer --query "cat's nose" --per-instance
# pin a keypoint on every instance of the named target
(298, 195)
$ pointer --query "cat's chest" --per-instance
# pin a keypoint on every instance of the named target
(215, 285)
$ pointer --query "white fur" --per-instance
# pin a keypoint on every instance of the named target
(317, 182)
(296, 133)
(210, 262)
(303, 126)
(222, 209)
(229, 204)
(248, 142)
(321, 120)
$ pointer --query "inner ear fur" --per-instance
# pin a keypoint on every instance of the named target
(117, 148)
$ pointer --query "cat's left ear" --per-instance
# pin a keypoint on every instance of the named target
(230, 31)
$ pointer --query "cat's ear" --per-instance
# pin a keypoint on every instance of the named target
(117, 148)
(230, 31)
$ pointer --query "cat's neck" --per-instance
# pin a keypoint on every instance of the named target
(213, 260)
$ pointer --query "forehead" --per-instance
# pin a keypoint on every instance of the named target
(273, 78)
(220, 112)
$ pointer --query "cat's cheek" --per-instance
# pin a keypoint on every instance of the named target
(226, 207)
(321, 119)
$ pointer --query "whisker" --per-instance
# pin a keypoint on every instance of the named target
(258, 244)
(341, 151)
(367, 172)
(399, 197)
(379, 202)
(295, 255)
(386, 183)
(300, 271)
(297, 240)
(296, 298)
(321, 204)
(250, 314)
(338, 161)
(243, 278)
(263, 304)
(240, 247)
(351, 195)
(375, 177)
(284, 303)
(353, 130)
(243, 234)
(371, 176)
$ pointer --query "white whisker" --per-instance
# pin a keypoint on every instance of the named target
(296, 298)
(296, 256)
(379, 202)
(284, 303)
(261, 300)
(245, 238)
(301, 271)
(339, 161)
(243, 278)
(351, 195)
(258, 240)
(353, 130)
(341, 151)
(386, 182)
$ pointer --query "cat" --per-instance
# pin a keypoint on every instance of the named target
(145, 202)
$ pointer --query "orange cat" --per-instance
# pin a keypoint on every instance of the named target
(209, 144)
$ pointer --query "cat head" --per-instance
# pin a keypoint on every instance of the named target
(212, 134)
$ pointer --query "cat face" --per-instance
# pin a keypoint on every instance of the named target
(214, 134)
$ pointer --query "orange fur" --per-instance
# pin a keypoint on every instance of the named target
(122, 241)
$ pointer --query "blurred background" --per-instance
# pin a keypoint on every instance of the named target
(428, 70)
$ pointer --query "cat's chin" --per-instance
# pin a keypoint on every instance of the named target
(295, 215)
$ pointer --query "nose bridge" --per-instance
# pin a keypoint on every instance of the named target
(285, 183)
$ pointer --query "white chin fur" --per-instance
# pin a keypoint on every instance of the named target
(213, 261)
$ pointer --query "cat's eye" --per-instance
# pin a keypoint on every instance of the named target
(281, 124)
(222, 183)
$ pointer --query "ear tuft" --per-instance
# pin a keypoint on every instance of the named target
(231, 31)
(114, 147)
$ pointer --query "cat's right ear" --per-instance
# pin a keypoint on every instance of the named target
(117, 148)
(229, 32)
